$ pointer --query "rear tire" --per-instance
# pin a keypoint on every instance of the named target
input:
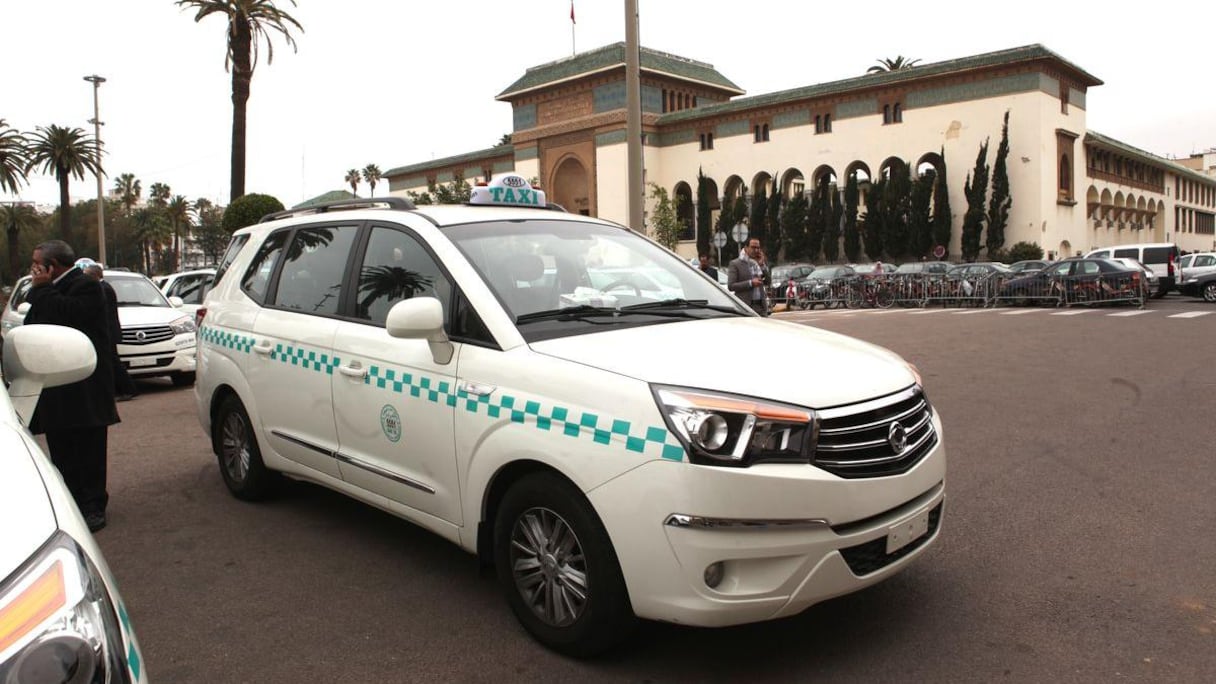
(236, 447)
(557, 568)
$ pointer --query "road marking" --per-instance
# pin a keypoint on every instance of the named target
(1131, 313)
(930, 311)
(1190, 314)
(1073, 312)
(1019, 312)
(970, 311)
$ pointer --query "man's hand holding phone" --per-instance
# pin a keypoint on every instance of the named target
(40, 274)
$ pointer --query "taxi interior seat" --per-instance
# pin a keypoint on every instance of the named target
(524, 288)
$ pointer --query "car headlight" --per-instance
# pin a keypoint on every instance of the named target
(57, 622)
(185, 324)
(732, 430)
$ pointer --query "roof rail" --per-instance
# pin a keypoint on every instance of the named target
(343, 205)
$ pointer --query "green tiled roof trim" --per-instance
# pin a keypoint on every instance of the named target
(1174, 167)
(614, 55)
(603, 430)
(457, 160)
(1015, 83)
(887, 78)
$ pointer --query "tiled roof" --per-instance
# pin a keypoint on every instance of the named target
(611, 56)
(1002, 57)
(489, 153)
(331, 196)
(1172, 166)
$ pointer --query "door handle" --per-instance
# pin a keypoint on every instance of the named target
(476, 389)
(263, 349)
(354, 370)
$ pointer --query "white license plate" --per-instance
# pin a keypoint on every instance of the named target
(137, 363)
(907, 531)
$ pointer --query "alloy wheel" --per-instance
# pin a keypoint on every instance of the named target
(234, 446)
(549, 568)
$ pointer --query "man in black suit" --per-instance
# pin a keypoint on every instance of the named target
(75, 417)
(745, 277)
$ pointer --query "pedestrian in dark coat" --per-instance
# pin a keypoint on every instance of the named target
(75, 417)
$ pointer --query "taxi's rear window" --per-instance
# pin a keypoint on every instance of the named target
(234, 248)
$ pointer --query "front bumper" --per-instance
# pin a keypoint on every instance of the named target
(788, 536)
(163, 358)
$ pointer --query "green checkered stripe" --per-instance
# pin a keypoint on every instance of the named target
(554, 419)
(225, 339)
(305, 358)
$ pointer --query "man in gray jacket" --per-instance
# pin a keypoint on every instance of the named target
(745, 277)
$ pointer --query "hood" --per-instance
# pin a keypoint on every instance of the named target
(131, 316)
(758, 357)
(25, 508)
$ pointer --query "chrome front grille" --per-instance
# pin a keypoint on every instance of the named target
(886, 436)
(149, 335)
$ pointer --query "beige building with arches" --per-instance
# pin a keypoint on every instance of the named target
(1073, 189)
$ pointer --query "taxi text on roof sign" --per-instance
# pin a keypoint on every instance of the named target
(509, 189)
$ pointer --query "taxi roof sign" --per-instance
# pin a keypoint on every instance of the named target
(508, 190)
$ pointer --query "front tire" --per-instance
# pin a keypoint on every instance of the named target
(1209, 291)
(557, 568)
(236, 447)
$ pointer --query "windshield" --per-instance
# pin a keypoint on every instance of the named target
(824, 273)
(136, 292)
(542, 266)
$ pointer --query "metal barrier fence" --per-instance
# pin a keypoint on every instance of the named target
(920, 290)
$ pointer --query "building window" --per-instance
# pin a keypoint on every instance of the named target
(1064, 98)
(818, 124)
(898, 113)
(707, 141)
(1065, 178)
(886, 114)
(760, 131)
(756, 133)
(827, 123)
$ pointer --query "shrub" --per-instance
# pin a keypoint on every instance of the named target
(1024, 251)
(247, 210)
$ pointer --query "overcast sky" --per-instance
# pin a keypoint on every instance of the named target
(392, 82)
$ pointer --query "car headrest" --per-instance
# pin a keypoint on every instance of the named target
(527, 267)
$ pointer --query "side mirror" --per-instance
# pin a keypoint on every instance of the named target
(40, 356)
(421, 318)
(23, 308)
(176, 301)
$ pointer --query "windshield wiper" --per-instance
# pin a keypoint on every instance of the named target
(678, 303)
(568, 313)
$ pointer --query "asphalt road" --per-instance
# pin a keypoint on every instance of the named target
(1077, 542)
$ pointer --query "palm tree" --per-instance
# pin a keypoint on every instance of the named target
(151, 228)
(13, 160)
(249, 23)
(159, 193)
(353, 178)
(179, 213)
(64, 152)
(128, 189)
(897, 64)
(15, 217)
(371, 174)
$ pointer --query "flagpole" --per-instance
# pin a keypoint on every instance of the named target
(573, 51)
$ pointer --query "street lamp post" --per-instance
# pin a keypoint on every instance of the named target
(101, 204)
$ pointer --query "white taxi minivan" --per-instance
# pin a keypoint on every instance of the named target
(467, 368)
(61, 616)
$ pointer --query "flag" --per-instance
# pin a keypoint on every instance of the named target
(572, 21)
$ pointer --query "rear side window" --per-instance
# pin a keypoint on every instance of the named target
(314, 268)
(190, 288)
(234, 248)
(256, 281)
(1129, 253)
(1157, 255)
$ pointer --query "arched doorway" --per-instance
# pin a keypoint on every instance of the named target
(570, 186)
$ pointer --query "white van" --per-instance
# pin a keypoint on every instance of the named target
(1160, 257)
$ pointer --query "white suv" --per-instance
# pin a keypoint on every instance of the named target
(464, 368)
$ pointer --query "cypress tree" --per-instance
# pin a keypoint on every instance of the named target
(831, 234)
(871, 223)
(704, 238)
(793, 227)
(817, 218)
(894, 208)
(774, 221)
(726, 221)
(852, 237)
(920, 228)
(976, 189)
(759, 211)
(998, 209)
(943, 220)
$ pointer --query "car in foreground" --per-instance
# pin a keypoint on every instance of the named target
(563, 427)
(61, 616)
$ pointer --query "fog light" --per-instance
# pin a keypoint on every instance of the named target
(64, 658)
(713, 574)
(708, 430)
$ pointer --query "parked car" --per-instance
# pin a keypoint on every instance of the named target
(1161, 257)
(62, 618)
(157, 335)
(569, 436)
(1201, 286)
(872, 269)
(1074, 279)
(1149, 278)
(819, 286)
(190, 286)
(979, 269)
(1192, 266)
(1027, 266)
(939, 267)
